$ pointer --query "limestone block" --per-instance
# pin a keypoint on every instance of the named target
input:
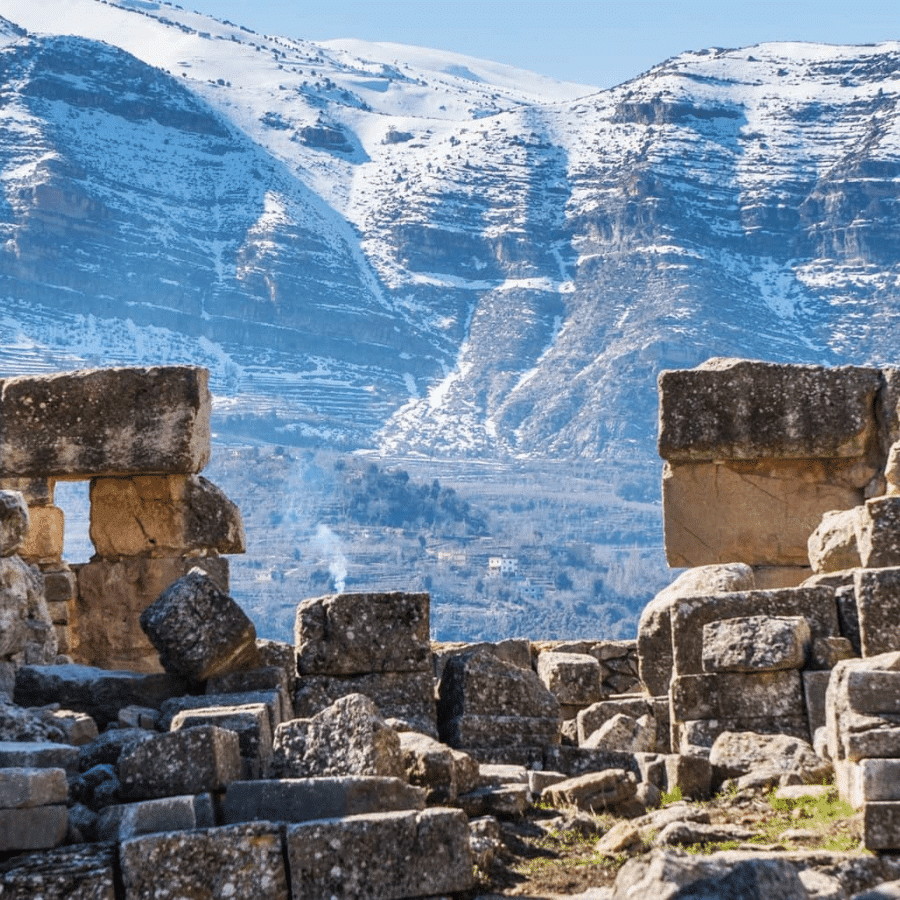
(36, 491)
(513, 650)
(347, 738)
(874, 780)
(44, 541)
(162, 515)
(250, 722)
(891, 470)
(594, 791)
(14, 522)
(737, 695)
(691, 773)
(690, 614)
(873, 693)
(654, 641)
(38, 755)
(265, 678)
(442, 771)
(280, 654)
(877, 593)
(506, 801)
(199, 630)
(736, 753)
(60, 586)
(21, 788)
(134, 716)
(694, 736)
(354, 634)
(878, 533)
(755, 644)
(385, 855)
(404, 696)
(127, 820)
(96, 692)
(623, 732)
(111, 597)
(756, 512)
(193, 761)
(571, 677)
(597, 714)
(745, 409)
(107, 749)
(881, 825)
(833, 547)
(572, 761)
(815, 686)
(305, 799)
(827, 652)
(83, 872)
(115, 421)
(208, 864)
(26, 632)
(35, 828)
(767, 578)
(473, 732)
(78, 728)
(276, 703)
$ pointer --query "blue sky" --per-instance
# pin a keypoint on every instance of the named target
(596, 43)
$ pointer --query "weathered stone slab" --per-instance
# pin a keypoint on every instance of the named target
(690, 614)
(27, 635)
(83, 872)
(755, 644)
(693, 736)
(44, 542)
(442, 771)
(572, 761)
(21, 788)
(266, 678)
(874, 780)
(874, 692)
(162, 515)
(198, 630)
(208, 864)
(623, 732)
(591, 718)
(115, 421)
(347, 738)
(594, 791)
(36, 828)
(735, 753)
(877, 594)
(815, 687)
(14, 522)
(737, 695)
(107, 748)
(128, 820)
(383, 855)
(407, 696)
(746, 409)
(275, 702)
(878, 533)
(97, 692)
(194, 761)
(654, 641)
(470, 732)
(833, 547)
(756, 512)
(305, 799)
(571, 677)
(38, 755)
(881, 826)
(111, 597)
(355, 634)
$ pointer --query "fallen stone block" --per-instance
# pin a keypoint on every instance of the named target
(84, 872)
(573, 761)
(276, 703)
(736, 753)
(474, 732)
(877, 593)
(506, 801)
(440, 770)
(115, 421)
(193, 761)
(14, 522)
(826, 653)
(267, 678)
(593, 717)
(78, 727)
(134, 716)
(878, 533)
(755, 644)
(355, 634)
(654, 641)
(691, 774)
(385, 855)
(347, 738)
(832, 547)
(516, 651)
(874, 692)
(97, 692)
(571, 677)
(21, 788)
(108, 747)
(27, 636)
(162, 515)
(690, 614)
(34, 828)
(208, 864)
(250, 722)
(693, 736)
(127, 820)
(737, 695)
(881, 825)
(38, 755)
(198, 630)
(594, 791)
(111, 596)
(405, 696)
(279, 654)
(305, 799)
(625, 733)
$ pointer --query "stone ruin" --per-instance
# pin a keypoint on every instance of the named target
(172, 753)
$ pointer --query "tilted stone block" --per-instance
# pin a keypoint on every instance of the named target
(276, 703)
(38, 755)
(97, 692)
(111, 597)
(347, 738)
(22, 787)
(127, 820)
(14, 522)
(209, 864)
(407, 696)
(198, 630)
(690, 614)
(654, 640)
(623, 732)
(881, 825)
(383, 855)
(878, 533)
(37, 491)
(83, 872)
(116, 421)
(745, 409)
(832, 547)
(162, 515)
(36, 828)
(755, 644)
(354, 634)
(305, 799)
(571, 677)
(737, 695)
(193, 761)
(877, 594)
